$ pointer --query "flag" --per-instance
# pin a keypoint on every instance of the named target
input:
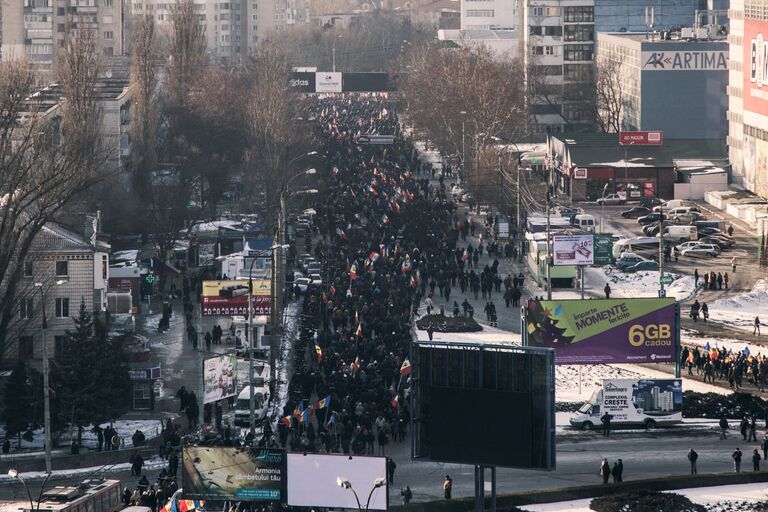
(406, 267)
(405, 368)
(395, 401)
(359, 330)
(357, 317)
(319, 352)
(286, 420)
(413, 282)
(465, 256)
(745, 351)
(296, 413)
(340, 232)
(325, 402)
(374, 256)
(356, 364)
(353, 272)
(707, 347)
(385, 219)
(304, 414)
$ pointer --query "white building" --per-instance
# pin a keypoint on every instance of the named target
(38, 29)
(748, 95)
(490, 14)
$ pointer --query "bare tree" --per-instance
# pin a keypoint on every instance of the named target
(610, 95)
(187, 52)
(47, 157)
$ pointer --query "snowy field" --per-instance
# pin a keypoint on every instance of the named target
(739, 311)
(731, 498)
(153, 463)
(646, 284)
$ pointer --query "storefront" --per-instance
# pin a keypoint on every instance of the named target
(143, 381)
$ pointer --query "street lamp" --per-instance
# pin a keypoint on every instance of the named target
(463, 153)
(344, 483)
(46, 378)
(13, 473)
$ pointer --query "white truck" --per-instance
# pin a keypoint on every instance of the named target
(647, 403)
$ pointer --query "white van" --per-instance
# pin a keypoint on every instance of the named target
(677, 234)
(585, 222)
(645, 246)
(243, 405)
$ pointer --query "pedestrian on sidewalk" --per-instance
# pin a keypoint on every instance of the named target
(695, 278)
(605, 470)
(723, 426)
(756, 329)
(733, 264)
(755, 461)
(736, 456)
(606, 420)
(607, 291)
(693, 457)
(406, 494)
(208, 340)
(752, 430)
(719, 281)
(705, 311)
(764, 446)
(730, 229)
(725, 279)
(447, 487)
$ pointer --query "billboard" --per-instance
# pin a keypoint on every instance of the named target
(230, 298)
(227, 473)
(635, 400)
(312, 480)
(755, 94)
(655, 138)
(603, 249)
(573, 249)
(327, 81)
(219, 378)
(499, 396)
(603, 331)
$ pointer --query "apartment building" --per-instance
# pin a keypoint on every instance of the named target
(748, 94)
(39, 29)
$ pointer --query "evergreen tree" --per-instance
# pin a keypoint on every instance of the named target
(17, 401)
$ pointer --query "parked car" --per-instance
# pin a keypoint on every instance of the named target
(688, 218)
(637, 211)
(610, 199)
(707, 231)
(652, 229)
(701, 251)
(715, 240)
(302, 283)
(628, 259)
(643, 265)
(568, 211)
(651, 217)
(650, 202)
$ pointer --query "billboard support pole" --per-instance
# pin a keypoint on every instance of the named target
(677, 340)
(581, 268)
(493, 488)
(479, 489)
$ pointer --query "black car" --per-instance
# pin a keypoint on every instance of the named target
(722, 243)
(637, 211)
(713, 231)
(650, 202)
(652, 229)
(651, 217)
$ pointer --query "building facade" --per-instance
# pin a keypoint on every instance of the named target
(490, 14)
(63, 270)
(748, 95)
(39, 29)
(676, 86)
(630, 15)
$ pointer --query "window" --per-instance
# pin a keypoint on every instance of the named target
(62, 308)
(29, 268)
(545, 109)
(538, 11)
(104, 266)
(480, 13)
(109, 51)
(26, 348)
(577, 14)
(60, 11)
(579, 32)
(553, 31)
(549, 50)
(537, 50)
(109, 3)
(577, 52)
(62, 268)
(577, 72)
(25, 308)
(60, 27)
(108, 35)
(550, 70)
(58, 347)
(553, 11)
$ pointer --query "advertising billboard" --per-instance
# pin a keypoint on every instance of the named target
(685, 60)
(755, 94)
(499, 396)
(636, 400)
(603, 249)
(603, 331)
(219, 378)
(655, 138)
(230, 298)
(312, 480)
(327, 81)
(227, 473)
(573, 249)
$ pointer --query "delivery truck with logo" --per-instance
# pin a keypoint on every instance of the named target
(633, 402)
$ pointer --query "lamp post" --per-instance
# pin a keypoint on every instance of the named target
(344, 483)
(15, 474)
(463, 153)
(46, 379)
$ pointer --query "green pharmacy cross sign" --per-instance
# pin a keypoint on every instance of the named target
(150, 278)
(666, 279)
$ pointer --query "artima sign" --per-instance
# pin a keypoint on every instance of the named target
(709, 60)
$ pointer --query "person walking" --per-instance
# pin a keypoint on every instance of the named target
(730, 229)
(733, 264)
(764, 446)
(447, 487)
(406, 494)
(605, 470)
(607, 291)
(618, 472)
(752, 430)
(756, 328)
(606, 420)
(755, 460)
(693, 457)
(705, 311)
(695, 278)
(736, 456)
(725, 279)
(723, 426)
(391, 467)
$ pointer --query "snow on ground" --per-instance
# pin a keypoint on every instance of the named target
(153, 463)
(646, 284)
(739, 311)
(735, 498)
(125, 429)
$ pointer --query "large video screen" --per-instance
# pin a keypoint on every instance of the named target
(227, 473)
(312, 481)
(501, 397)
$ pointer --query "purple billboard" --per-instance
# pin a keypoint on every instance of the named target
(603, 331)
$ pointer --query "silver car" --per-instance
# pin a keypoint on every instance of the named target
(701, 251)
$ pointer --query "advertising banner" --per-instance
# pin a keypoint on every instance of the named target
(230, 298)
(227, 473)
(573, 249)
(219, 378)
(327, 81)
(636, 400)
(603, 331)
(603, 249)
(641, 138)
(312, 480)
(685, 60)
(755, 92)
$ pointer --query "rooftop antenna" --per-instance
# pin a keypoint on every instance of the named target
(649, 19)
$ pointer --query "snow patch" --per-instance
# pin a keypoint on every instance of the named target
(740, 310)
(646, 284)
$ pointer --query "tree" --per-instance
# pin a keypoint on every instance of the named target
(47, 158)
(610, 97)
(17, 399)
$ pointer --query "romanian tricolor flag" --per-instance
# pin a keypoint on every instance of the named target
(184, 505)
(405, 368)
(374, 256)
(406, 266)
(319, 352)
(341, 233)
(322, 404)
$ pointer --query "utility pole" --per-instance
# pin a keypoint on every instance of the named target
(549, 251)
(661, 250)
(519, 228)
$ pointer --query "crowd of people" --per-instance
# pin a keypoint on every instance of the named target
(724, 364)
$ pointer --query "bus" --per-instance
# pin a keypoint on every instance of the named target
(93, 495)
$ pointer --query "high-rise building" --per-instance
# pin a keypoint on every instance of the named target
(39, 29)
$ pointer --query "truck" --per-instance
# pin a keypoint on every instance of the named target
(633, 402)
